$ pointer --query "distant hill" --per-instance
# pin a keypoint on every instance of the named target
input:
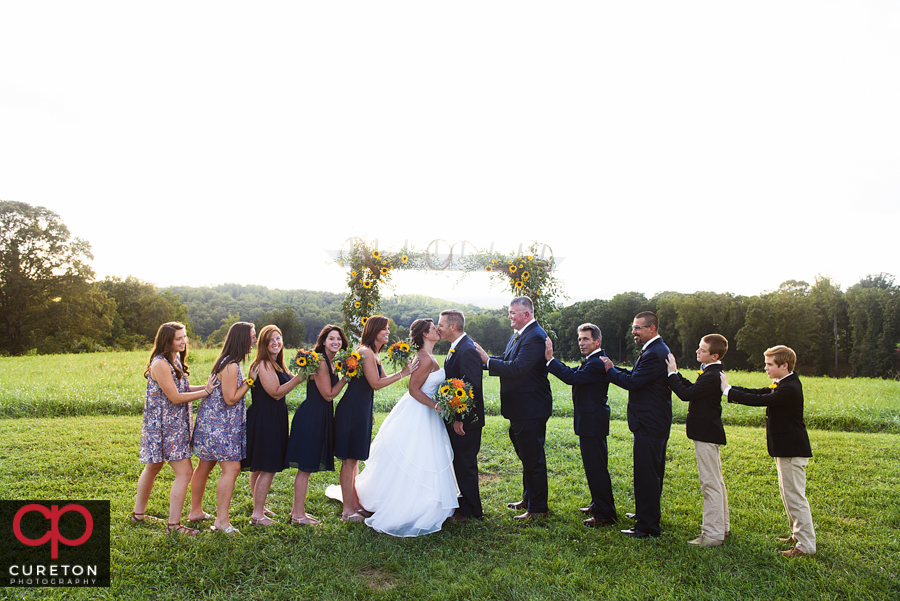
(210, 307)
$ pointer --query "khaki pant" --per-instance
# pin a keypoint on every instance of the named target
(792, 485)
(716, 519)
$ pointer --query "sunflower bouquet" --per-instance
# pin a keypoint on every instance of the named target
(398, 354)
(305, 362)
(348, 364)
(454, 397)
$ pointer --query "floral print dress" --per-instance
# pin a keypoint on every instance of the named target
(166, 430)
(220, 433)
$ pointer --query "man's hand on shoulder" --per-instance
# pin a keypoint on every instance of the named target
(607, 363)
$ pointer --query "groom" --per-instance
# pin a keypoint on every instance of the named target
(463, 361)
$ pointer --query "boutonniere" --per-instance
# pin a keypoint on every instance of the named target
(699, 372)
(453, 350)
(773, 385)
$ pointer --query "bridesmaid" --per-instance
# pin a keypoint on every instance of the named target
(267, 420)
(354, 417)
(311, 445)
(166, 429)
(220, 432)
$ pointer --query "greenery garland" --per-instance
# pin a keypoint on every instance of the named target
(523, 274)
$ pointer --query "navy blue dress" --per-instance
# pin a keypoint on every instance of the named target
(353, 420)
(267, 430)
(311, 445)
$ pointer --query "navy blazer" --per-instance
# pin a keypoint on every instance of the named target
(704, 418)
(786, 434)
(649, 397)
(524, 388)
(465, 363)
(589, 394)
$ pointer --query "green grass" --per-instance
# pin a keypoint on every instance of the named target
(113, 384)
(853, 486)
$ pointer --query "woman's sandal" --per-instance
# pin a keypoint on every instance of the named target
(306, 520)
(134, 519)
(178, 528)
(206, 516)
(261, 522)
(230, 531)
(353, 517)
(364, 513)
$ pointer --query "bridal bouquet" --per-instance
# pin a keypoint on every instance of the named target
(452, 397)
(348, 364)
(398, 354)
(305, 362)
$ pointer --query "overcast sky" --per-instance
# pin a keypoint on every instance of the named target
(724, 146)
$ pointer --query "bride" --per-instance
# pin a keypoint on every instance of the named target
(408, 480)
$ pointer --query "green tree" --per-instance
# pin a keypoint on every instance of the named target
(140, 310)
(292, 330)
(39, 263)
(873, 306)
(786, 316)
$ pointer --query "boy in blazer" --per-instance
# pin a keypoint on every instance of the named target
(589, 399)
(704, 427)
(787, 440)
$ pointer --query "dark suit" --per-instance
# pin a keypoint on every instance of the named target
(650, 420)
(786, 434)
(589, 398)
(704, 418)
(465, 362)
(526, 401)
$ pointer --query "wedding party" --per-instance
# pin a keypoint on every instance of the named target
(421, 469)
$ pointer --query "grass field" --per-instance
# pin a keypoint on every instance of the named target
(113, 384)
(853, 486)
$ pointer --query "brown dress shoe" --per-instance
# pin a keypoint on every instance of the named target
(596, 522)
(795, 552)
(585, 509)
(528, 515)
(517, 505)
(457, 518)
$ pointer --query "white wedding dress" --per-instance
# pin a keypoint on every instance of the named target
(408, 480)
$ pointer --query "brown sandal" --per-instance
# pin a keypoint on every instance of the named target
(134, 519)
(178, 528)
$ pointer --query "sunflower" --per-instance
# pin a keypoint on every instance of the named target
(404, 258)
(460, 392)
(376, 254)
(519, 285)
(353, 273)
(525, 276)
(488, 268)
(445, 389)
(338, 365)
(364, 320)
(462, 408)
(512, 268)
(357, 304)
(384, 270)
(367, 284)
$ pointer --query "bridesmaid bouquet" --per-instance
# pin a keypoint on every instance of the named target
(348, 364)
(452, 397)
(398, 354)
(305, 362)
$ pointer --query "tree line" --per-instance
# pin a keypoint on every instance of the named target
(51, 303)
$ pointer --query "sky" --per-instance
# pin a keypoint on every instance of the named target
(653, 146)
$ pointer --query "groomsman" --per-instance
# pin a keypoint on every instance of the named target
(589, 397)
(649, 419)
(464, 362)
(526, 401)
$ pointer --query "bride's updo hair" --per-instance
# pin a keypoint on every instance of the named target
(418, 329)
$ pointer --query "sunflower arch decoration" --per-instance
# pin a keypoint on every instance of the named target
(528, 272)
